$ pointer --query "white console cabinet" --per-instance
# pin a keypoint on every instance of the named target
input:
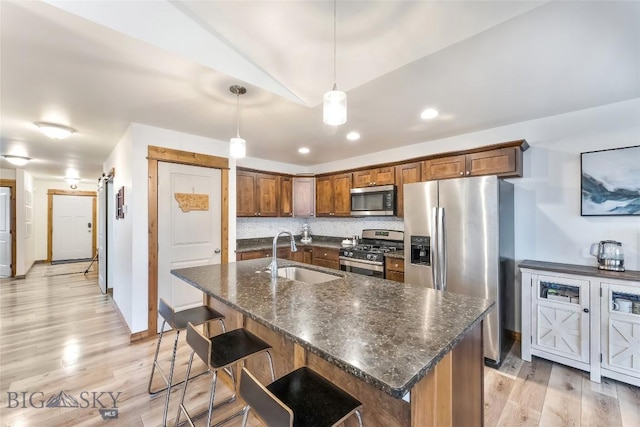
(569, 316)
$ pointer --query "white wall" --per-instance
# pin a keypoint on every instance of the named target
(7, 174)
(129, 158)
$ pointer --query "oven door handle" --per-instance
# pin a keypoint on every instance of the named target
(361, 263)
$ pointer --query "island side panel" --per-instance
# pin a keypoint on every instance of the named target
(282, 352)
(379, 408)
(452, 393)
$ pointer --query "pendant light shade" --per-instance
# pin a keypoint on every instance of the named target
(237, 145)
(334, 109)
(238, 148)
(334, 106)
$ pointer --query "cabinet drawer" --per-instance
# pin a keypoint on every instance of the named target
(254, 255)
(284, 253)
(394, 264)
(326, 263)
(327, 254)
(396, 276)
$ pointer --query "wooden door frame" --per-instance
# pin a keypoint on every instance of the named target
(11, 183)
(169, 155)
(50, 195)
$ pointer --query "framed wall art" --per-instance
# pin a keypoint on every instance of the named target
(610, 182)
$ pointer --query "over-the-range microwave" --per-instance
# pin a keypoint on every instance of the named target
(373, 201)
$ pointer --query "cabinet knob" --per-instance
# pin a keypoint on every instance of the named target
(259, 214)
(461, 173)
(586, 310)
(395, 265)
(374, 183)
(468, 172)
(325, 254)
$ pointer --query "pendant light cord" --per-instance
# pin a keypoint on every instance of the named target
(237, 115)
(334, 45)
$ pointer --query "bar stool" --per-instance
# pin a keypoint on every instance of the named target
(300, 398)
(221, 352)
(178, 321)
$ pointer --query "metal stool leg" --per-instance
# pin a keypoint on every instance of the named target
(359, 416)
(184, 392)
(169, 385)
(155, 360)
(212, 395)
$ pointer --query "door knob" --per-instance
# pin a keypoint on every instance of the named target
(216, 251)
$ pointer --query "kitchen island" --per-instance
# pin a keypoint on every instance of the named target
(377, 339)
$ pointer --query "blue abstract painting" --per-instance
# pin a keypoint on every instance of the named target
(611, 182)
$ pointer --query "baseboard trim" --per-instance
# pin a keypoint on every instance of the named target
(20, 276)
(515, 336)
(138, 336)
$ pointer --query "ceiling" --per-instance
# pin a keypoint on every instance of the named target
(99, 66)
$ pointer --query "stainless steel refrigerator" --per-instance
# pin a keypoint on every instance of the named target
(458, 237)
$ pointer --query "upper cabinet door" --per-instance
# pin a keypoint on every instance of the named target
(373, 177)
(286, 196)
(342, 194)
(267, 191)
(444, 168)
(406, 174)
(324, 196)
(304, 197)
(384, 176)
(245, 194)
(501, 162)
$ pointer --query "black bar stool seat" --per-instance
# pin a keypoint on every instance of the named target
(221, 352)
(196, 315)
(301, 398)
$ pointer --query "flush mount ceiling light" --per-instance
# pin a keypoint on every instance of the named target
(16, 160)
(429, 114)
(55, 131)
(238, 148)
(353, 136)
(334, 107)
(304, 150)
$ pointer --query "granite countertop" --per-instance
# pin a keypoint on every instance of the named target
(584, 270)
(388, 334)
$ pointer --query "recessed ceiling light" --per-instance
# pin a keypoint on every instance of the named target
(16, 160)
(429, 114)
(55, 131)
(353, 136)
(303, 150)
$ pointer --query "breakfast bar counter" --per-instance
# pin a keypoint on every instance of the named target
(377, 339)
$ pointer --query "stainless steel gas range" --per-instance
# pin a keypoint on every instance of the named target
(367, 257)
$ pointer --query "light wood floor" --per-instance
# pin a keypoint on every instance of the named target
(60, 333)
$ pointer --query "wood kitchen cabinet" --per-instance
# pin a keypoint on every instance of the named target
(371, 177)
(333, 195)
(326, 257)
(304, 197)
(304, 255)
(407, 173)
(394, 269)
(505, 162)
(284, 253)
(286, 196)
(256, 194)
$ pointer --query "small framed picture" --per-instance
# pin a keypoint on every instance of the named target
(610, 182)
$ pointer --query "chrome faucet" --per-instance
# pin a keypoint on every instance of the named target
(274, 264)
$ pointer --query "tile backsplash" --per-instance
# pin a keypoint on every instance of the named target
(248, 228)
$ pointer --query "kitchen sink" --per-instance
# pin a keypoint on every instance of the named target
(302, 274)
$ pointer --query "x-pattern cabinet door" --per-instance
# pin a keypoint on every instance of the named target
(561, 327)
(620, 331)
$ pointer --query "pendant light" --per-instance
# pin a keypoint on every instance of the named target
(238, 147)
(334, 107)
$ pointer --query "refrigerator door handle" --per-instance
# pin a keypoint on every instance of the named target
(434, 248)
(442, 249)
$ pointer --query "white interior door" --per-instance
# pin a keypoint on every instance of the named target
(5, 232)
(72, 227)
(189, 234)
